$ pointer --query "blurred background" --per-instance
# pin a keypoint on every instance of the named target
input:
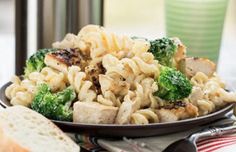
(26, 26)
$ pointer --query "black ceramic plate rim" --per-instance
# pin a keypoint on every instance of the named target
(179, 122)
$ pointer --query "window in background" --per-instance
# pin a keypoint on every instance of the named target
(32, 27)
(135, 17)
(7, 40)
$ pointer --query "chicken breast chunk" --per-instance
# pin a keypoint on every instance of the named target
(94, 113)
(170, 115)
(63, 58)
(191, 65)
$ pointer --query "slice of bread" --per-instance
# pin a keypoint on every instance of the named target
(24, 130)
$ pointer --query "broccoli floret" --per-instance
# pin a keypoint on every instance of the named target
(55, 106)
(36, 61)
(172, 85)
(163, 50)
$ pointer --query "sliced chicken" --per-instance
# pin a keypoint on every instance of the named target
(63, 58)
(93, 113)
(191, 65)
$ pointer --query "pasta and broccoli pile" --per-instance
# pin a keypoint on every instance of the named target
(100, 77)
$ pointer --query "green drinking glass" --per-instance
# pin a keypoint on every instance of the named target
(198, 24)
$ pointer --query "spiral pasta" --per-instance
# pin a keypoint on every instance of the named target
(109, 99)
(128, 74)
(205, 106)
(199, 79)
(77, 79)
(144, 116)
(100, 42)
(20, 92)
(12, 89)
(70, 41)
(97, 41)
(55, 79)
(208, 94)
(130, 104)
(147, 88)
(117, 74)
(117, 86)
(129, 67)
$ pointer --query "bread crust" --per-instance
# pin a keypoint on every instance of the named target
(9, 145)
(8, 142)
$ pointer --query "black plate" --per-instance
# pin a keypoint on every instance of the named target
(114, 130)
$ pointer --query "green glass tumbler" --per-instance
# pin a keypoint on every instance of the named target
(198, 24)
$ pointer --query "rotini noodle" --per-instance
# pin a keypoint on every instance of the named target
(101, 42)
(109, 99)
(144, 116)
(205, 106)
(199, 79)
(208, 94)
(70, 41)
(20, 92)
(55, 79)
(82, 87)
(120, 72)
(130, 104)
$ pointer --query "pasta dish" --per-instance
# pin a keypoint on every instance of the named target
(102, 78)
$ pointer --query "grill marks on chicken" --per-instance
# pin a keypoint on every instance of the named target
(173, 105)
(175, 114)
(71, 57)
(63, 58)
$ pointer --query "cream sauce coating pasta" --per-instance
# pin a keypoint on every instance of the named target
(127, 83)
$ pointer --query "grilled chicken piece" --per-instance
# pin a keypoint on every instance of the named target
(93, 113)
(63, 58)
(166, 115)
(172, 105)
(191, 65)
(92, 73)
(169, 115)
(181, 50)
